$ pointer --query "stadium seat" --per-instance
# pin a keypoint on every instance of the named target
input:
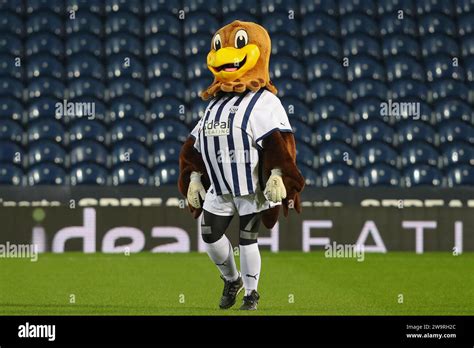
(335, 152)
(86, 22)
(319, 23)
(428, 6)
(45, 151)
(366, 109)
(239, 16)
(45, 87)
(11, 44)
(439, 44)
(42, 108)
(130, 174)
(329, 109)
(200, 22)
(296, 109)
(129, 151)
(125, 66)
(11, 23)
(7, 63)
(286, 67)
(321, 44)
(339, 174)
(122, 22)
(333, 130)
(165, 152)
(418, 152)
(88, 151)
(128, 44)
(250, 6)
(390, 24)
(44, 65)
(408, 131)
(195, 88)
(324, 66)
(356, 44)
(196, 68)
(358, 23)
(364, 67)
(280, 22)
(363, 6)
(380, 174)
(10, 174)
(374, 152)
(457, 153)
(453, 109)
(44, 42)
(269, 7)
(461, 175)
(10, 87)
(167, 87)
(167, 107)
(46, 130)
(84, 43)
(364, 88)
(404, 67)
(309, 175)
(327, 87)
(466, 24)
(162, 23)
(454, 130)
(133, 6)
(160, 6)
(88, 174)
(86, 87)
(400, 44)
(46, 174)
(127, 107)
(409, 89)
(464, 6)
(11, 130)
(291, 88)
(302, 132)
(447, 88)
(285, 45)
(11, 152)
(166, 174)
(44, 21)
(422, 175)
(129, 129)
(168, 129)
(87, 129)
(370, 130)
(305, 155)
(126, 86)
(84, 65)
(436, 23)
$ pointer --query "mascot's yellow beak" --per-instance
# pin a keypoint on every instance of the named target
(229, 63)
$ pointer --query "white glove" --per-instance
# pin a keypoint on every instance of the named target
(275, 190)
(195, 190)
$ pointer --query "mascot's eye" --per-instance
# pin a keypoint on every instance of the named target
(217, 42)
(241, 39)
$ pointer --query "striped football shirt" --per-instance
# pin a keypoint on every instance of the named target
(230, 137)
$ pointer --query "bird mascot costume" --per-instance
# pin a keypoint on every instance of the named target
(240, 158)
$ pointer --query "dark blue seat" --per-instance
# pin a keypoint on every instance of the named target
(11, 44)
(319, 23)
(44, 42)
(196, 44)
(396, 44)
(436, 23)
(195, 88)
(335, 152)
(366, 108)
(191, 117)
(428, 6)
(285, 45)
(46, 130)
(167, 107)
(162, 23)
(84, 65)
(129, 151)
(11, 109)
(250, 6)
(324, 66)
(466, 24)
(42, 108)
(461, 175)
(408, 131)
(324, 44)
(211, 6)
(359, 43)
(11, 130)
(309, 175)
(123, 43)
(453, 109)
(358, 23)
(13, 6)
(127, 107)
(457, 153)
(329, 109)
(197, 68)
(296, 109)
(133, 6)
(94, 6)
(327, 87)
(7, 68)
(365, 67)
(88, 151)
(92, 108)
(129, 129)
(467, 45)
(32, 6)
(10, 174)
(374, 152)
(269, 7)
(88, 174)
(167, 87)
(86, 87)
(370, 130)
(286, 67)
(390, 23)
(422, 175)
(166, 174)
(463, 6)
(86, 22)
(11, 152)
(46, 174)
(44, 65)
(363, 88)
(44, 21)
(362, 6)
(122, 22)
(159, 6)
(418, 152)
(46, 151)
(439, 44)
(306, 155)
(445, 88)
(404, 67)
(46, 86)
(469, 67)
(408, 88)
(455, 130)
(116, 68)
(333, 130)
(321, 6)
(200, 22)
(380, 174)
(87, 129)
(240, 15)
(291, 88)
(339, 174)
(410, 111)
(166, 152)
(162, 43)
(279, 22)
(11, 23)
(302, 132)
(168, 129)
(165, 65)
(83, 43)
(10, 87)
(125, 86)
(130, 174)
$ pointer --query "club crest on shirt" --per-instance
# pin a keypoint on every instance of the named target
(216, 128)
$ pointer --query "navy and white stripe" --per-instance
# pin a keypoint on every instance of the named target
(236, 126)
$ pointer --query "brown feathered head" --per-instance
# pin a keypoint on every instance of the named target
(239, 59)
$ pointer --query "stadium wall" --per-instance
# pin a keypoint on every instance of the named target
(414, 220)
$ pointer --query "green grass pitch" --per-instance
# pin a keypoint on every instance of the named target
(292, 283)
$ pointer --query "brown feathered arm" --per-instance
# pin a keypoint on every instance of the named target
(279, 151)
(190, 160)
